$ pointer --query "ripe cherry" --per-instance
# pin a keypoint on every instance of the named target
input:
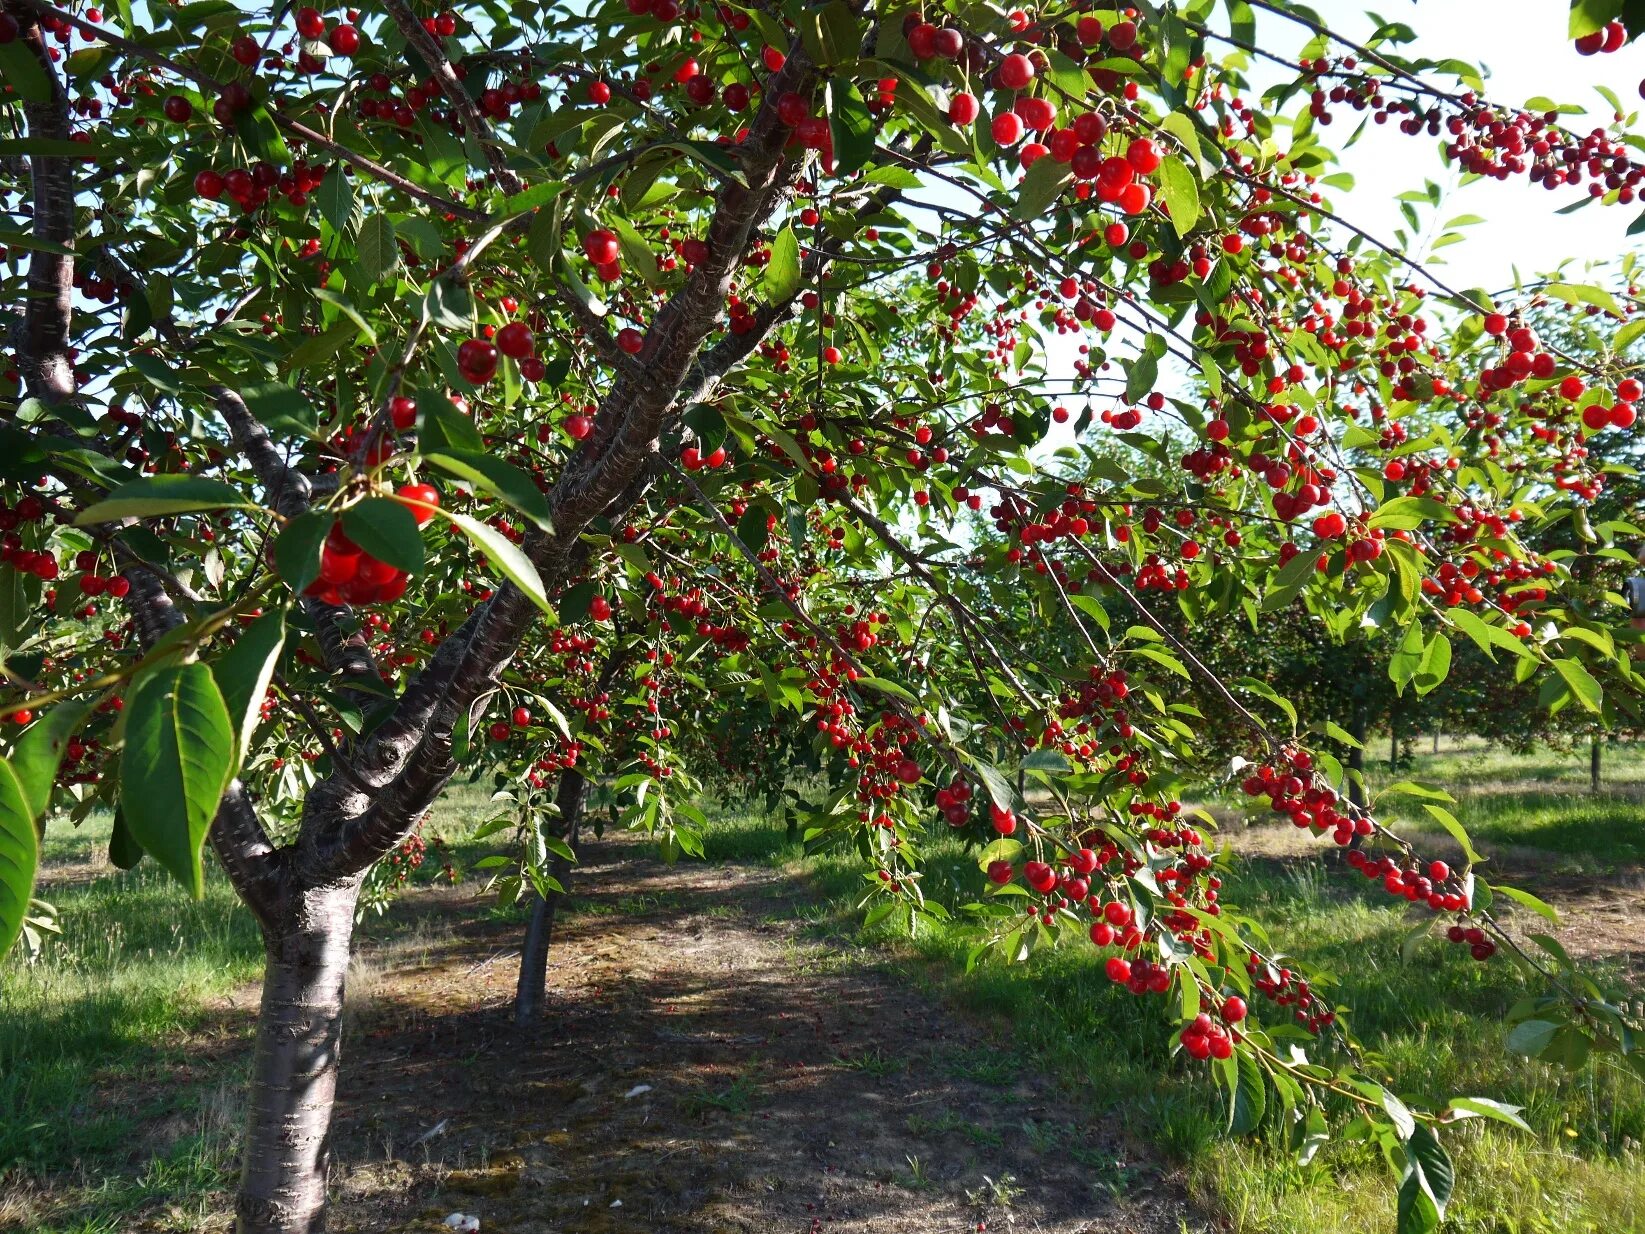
(599, 608)
(515, 340)
(601, 246)
(1016, 71)
(419, 497)
(177, 108)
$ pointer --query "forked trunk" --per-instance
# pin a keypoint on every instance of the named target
(539, 931)
(294, 1072)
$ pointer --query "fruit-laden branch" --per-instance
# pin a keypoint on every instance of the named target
(42, 342)
(607, 476)
(289, 492)
(296, 128)
(428, 47)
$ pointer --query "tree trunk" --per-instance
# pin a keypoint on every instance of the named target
(294, 1070)
(1356, 755)
(1593, 764)
(1436, 741)
(1393, 746)
(539, 931)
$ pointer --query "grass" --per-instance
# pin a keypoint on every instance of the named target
(1540, 799)
(111, 1117)
(1435, 1025)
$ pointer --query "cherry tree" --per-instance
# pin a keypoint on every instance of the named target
(917, 379)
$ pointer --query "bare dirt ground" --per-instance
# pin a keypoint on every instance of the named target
(704, 1067)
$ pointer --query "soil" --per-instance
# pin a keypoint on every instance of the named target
(705, 1065)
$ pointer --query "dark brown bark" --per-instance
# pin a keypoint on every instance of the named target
(294, 1070)
(1593, 764)
(571, 796)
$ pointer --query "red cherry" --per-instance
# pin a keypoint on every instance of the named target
(1016, 71)
(1233, 1009)
(177, 108)
(630, 340)
(599, 608)
(402, 411)
(419, 497)
(309, 23)
(601, 246)
(477, 359)
(208, 184)
(522, 717)
(344, 40)
(963, 109)
(515, 340)
(578, 426)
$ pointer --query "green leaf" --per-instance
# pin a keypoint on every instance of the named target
(19, 856)
(387, 530)
(1180, 193)
(297, 548)
(636, 252)
(509, 560)
(1409, 513)
(1485, 1107)
(1581, 682)
(39, 752)
(1040, 186)
(1527, 900)
(178, 759)
(1246, 1096)
(1582, 293)
(832, 34)
(280, 407)
(504, 481)
(1458, 833)
(850, 125)
(124, 852)
(442, 428)
(244, 671)
(782, 272)
(1486, 636)
(1436, 663)
(1404, 663)
(153, 496)
(1003, 849)
(1292, 576)
(1427, 1157)
(377, 249)
(886, 687)
(1591, 16)
(1531, 1037)
(261, 135)
(336, 200)
(23, 72)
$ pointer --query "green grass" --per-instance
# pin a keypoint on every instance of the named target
(1538, 800)
(1435, 1023)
